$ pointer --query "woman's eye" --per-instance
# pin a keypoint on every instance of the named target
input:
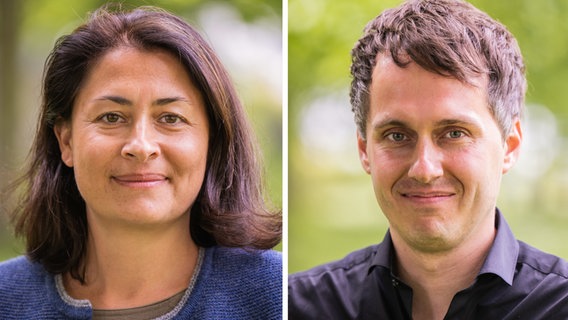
(171, 119)
(110, 118)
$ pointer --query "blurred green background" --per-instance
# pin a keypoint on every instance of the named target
(246, 34)
(332, 208)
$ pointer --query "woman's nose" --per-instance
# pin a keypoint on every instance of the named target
(141, 144)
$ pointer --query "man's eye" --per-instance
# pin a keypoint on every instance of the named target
(455, 134)
(396, 136)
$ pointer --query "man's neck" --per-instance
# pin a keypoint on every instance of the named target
(436, 277)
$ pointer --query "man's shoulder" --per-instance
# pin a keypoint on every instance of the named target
(540, 286)
(542, 263)
(354, 262)
(330, 291)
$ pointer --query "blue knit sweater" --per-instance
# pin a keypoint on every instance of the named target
(232, 284)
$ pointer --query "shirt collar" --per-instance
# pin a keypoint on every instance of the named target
(385, 254)
(501, 260)
(502, 257)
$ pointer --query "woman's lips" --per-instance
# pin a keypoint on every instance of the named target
(140, 180)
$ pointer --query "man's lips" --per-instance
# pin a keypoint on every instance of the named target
(140, 179)
(431, 194)
(428, 197)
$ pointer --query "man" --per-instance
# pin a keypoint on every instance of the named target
(438, 91)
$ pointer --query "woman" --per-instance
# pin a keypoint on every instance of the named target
(143, 194)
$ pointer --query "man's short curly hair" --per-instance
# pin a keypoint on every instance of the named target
(448, 37)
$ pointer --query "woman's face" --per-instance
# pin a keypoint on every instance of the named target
(137, 139)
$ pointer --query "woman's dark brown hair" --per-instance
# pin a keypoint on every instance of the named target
(230, 209)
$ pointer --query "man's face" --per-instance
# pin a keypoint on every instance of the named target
(435, 155)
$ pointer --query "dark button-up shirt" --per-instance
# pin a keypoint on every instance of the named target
(516, 281)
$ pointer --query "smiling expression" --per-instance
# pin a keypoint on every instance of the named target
(435, 155)
(137, 139)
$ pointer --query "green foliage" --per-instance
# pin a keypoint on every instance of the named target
(540, 28)
(321, 34)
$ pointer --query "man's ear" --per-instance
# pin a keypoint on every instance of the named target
(363, 156)
(62, 130)
(512, 146)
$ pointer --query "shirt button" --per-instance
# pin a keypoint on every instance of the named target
(394, 283)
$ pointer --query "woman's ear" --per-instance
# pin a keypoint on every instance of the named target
(62, 130)
(513, 146)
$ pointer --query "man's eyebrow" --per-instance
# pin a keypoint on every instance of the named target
(391, 122)
(387, 123)
(125, 102)
(458, 121)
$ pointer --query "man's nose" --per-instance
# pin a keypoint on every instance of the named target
(426, 163)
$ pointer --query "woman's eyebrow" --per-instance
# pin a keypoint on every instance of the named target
(116, 99)
(125, 102)
(164, 101)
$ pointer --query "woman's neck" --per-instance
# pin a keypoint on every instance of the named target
(131, 267)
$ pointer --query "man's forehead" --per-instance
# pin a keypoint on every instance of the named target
(384, 62)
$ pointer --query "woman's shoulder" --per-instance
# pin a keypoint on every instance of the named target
(21, 281)
(237, 284)
(269, 261)
(20, 273)
(16, 268)
(238, 266)
(28, 291)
